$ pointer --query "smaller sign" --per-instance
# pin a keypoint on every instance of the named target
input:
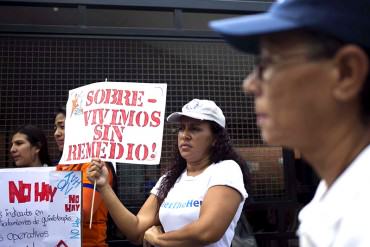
(40, 207)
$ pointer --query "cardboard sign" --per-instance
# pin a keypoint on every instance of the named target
(115, 121)
(40, 207)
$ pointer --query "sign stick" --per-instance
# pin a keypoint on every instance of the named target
(93, 195)
(92, 204)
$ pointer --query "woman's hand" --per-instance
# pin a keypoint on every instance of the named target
(98, 172)
(151, 235)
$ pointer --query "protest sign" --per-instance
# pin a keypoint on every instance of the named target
(115, 121)
(40, 207)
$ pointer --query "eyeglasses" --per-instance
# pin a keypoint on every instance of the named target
(278, 61)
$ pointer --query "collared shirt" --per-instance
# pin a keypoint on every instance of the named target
(340, 216)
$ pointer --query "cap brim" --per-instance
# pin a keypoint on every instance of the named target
(176, 116)
(244, 32)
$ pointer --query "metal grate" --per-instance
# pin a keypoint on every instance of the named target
(36, 74)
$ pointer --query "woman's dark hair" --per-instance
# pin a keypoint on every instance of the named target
(37, 138)
(222, 150)
(60, 110)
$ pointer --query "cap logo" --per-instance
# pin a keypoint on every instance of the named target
(192, 105)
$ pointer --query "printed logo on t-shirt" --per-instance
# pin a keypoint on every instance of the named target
(182, 204)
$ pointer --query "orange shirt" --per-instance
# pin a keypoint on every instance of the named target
(96, 236)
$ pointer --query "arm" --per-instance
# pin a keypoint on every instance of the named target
(87, 191)
(218, 209)
(132, 226)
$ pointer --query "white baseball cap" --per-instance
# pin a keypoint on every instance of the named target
(200, 109)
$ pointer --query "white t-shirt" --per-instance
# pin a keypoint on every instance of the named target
(340, 216)
(183, 202)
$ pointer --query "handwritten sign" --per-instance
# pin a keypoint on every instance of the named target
(115, 121)
(40, 207)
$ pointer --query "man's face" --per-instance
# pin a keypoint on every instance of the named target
(292, 92)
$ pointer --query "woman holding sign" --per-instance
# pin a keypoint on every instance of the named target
(97, 234)
(206, 183)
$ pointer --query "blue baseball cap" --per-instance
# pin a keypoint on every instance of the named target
(346, 20)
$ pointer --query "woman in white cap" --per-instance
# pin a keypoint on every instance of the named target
(198, 201)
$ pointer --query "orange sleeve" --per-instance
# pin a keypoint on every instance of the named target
(87, 191)
(59, 167)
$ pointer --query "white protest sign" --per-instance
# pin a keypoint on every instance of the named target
(40, 207)
(115, 121)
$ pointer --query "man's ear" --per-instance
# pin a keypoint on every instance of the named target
(353, 68)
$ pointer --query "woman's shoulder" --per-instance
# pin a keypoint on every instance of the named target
(226, 164)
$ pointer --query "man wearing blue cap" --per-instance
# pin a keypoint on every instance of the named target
(312, 93)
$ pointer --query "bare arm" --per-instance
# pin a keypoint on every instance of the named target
(132, 226)
(217, 211)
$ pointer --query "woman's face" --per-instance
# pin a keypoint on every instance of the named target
(23, 153)
(195, 140)
(59, 130)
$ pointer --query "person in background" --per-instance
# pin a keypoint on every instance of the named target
(59, 121)
(97, 235)
(198, 201)
(312, 93)
(29, 147)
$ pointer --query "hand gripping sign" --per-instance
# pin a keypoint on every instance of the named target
(115, 121)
